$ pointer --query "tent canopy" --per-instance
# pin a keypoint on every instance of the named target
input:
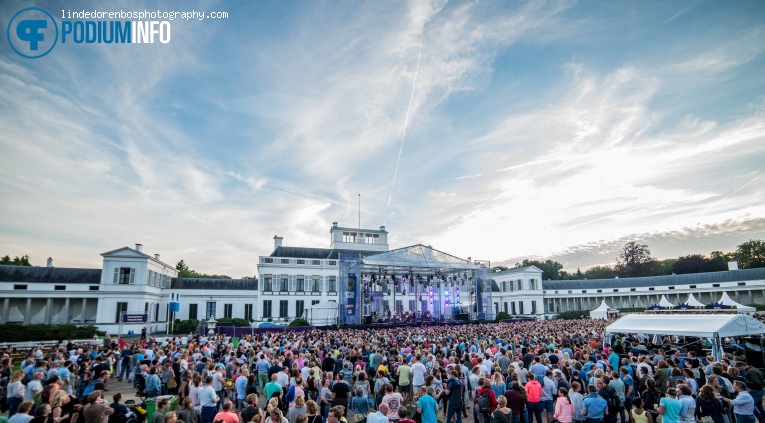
(700, 325)
(602, 311)
(693, 302)
(728, 301)
(418, 256)
(664, 302)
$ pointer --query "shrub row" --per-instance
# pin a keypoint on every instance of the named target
(15, 332)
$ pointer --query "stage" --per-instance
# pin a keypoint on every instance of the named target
(411, 324)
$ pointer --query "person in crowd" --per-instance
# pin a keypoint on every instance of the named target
(188, 413)
(96, 411)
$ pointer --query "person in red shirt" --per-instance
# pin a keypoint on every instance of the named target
(226, 415)
(485, 389)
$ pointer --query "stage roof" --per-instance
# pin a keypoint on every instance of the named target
(418, 256)
(700, 325)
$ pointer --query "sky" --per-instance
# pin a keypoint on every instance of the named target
(513, 129)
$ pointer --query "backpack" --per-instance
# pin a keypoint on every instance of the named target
(483, 402)
(90, 388)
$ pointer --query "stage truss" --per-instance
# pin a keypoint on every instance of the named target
(414, 284)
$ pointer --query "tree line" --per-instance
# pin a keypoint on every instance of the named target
(635, 260)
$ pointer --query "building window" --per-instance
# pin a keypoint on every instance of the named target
(284, 283)
(616, 290)
(266, 308)
(285, 261)
(520, 307)
(332, 282)
(248, 311)
(600, 291)
(316, 262)
(533, 307)
(268, 260)
(20, 287)
(519, 285)
(650, 289)
(228, 311)
(283, 308)
(349, 236)
(505, 307)
(121, 308)
(635, 289)
(59, 288)
(210, 312)
(372, 239)
(94, 287)
(299, 308)
(512, 307)
(300, 283)
(314, 302)
(267, 283)
(715, 285)
(315, 284)
(124, 275)
(193, 311)
(301, 261)
(333, 263)
(156, 312)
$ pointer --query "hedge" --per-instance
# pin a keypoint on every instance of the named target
(185, 326)
(299, 322)
(15, 332)
(573, 314)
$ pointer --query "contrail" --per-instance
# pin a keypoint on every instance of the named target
(406, 122)
(726, 197)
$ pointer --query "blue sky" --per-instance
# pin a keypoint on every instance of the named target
(539, 129)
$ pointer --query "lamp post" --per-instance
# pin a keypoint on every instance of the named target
(211, 326)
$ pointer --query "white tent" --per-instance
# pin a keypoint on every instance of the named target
(693, 302)
(664, 303)
(322, 314)
(728, 301)
(601, 312)
(699, 325)
(713, 326)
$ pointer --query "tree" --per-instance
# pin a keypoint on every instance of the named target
(185, 272)
(697, 263)
(601, 272)
(499, 268)
(17, 261)
(635, 260)
(751, 254)
(664, 267)
(550, 269)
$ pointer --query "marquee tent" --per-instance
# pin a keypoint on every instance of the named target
(728, 301)
(664, 303)
(693, 302)
(322, 314)
(602, 311)
(713, 326)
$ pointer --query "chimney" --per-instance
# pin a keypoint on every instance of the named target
(334, 225)
(138, 247)
(50, 262)
(382, 228)
(277, 241)
(733, 265)
(156, 257)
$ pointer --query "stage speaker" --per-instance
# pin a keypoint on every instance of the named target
(367, 320)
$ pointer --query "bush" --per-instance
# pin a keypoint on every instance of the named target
(573, 314)
(237, 322)
(503, 315)
(185, 326)
(14, 332)
(299, 322)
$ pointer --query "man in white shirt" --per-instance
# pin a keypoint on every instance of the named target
(418, 373)
(34, 386)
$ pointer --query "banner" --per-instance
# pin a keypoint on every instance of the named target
(135, 318)
(484, 305)
(350, 289)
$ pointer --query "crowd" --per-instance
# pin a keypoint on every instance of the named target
(562, 371)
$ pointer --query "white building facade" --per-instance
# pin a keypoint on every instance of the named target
(292, 279)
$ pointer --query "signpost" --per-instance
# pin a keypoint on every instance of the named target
(135, 317)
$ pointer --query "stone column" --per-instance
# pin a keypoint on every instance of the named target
(66, 310)
(28, 312)
(6, 309)
(48, 305)
(82, 312)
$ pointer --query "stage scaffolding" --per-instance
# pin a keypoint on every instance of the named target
(413, 284)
